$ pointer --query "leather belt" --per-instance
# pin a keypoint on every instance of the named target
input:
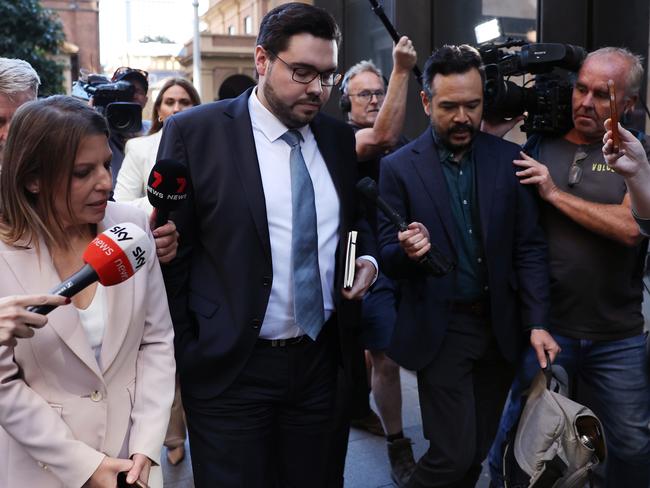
(293, 341)
(479, 308)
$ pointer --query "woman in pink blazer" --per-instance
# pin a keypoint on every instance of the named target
(89, 394)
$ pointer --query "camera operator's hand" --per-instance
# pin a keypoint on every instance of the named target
(631, 159)
(415, 241)
(501, 127)
(404, 55)
(535, 173)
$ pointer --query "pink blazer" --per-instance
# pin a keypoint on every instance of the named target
(59, 413)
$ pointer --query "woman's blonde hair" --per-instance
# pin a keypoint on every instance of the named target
(41, 149)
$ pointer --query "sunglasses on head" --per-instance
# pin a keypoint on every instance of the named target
(125, 70)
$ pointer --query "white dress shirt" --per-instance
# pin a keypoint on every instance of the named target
(273, 156)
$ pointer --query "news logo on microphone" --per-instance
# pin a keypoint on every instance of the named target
(166, 188)
(118, 253)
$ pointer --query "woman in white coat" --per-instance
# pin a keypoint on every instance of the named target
(89, 394)
(176, 95)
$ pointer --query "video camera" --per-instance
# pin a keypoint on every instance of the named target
(113, 100)
(548, 102)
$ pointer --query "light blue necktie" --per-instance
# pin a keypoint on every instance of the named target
(307, 290)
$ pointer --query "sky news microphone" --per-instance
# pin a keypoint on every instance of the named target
(111, 258)
(166, 188)
(434, 261)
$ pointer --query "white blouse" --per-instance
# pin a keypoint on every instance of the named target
(93, 320)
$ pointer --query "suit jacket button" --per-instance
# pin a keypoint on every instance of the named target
(256, 323)
(96, 396)
(266, 281)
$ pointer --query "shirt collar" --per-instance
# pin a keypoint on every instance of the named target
(444, 153)
(268, 124)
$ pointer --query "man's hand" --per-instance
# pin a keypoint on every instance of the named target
(166, 239)
(105, 476)
(543, 342)
(415, 240)
(631, 158)
(536, 173)
(404, 55)
(140, 469)
(364, 275)
(17, 322)
(501, 127)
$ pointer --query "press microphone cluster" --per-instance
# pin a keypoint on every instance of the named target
(111, 258)
(433, 261)
(166, 188)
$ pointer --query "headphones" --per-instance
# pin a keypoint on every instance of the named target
(344, 102)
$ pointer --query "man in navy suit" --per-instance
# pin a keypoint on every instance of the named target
(260, 316)
(462, 332)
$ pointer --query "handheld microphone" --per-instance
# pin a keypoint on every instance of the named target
(111, 258)
(166, 188)
(434, 261)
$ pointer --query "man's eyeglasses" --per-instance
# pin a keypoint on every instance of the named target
(575, 170)
(125, 70)
(306, 75)
(366, 95)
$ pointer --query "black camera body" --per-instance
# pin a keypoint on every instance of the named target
(114, 101)
(548, 102)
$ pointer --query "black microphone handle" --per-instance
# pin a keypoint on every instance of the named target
(379, 12)
(434, 261)
(162, 216)
(69, 287)
(397, 220)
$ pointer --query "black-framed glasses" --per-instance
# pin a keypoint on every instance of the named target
(575, 170)
(366, 95)
(125, 70)
(305, 75)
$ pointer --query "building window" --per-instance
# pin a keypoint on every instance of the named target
(248, 25)
(231, 30)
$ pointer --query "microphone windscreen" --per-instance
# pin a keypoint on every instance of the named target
(117, 253)
(167, 184)
(368, 188)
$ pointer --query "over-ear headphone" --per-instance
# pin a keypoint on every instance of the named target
(344, 102)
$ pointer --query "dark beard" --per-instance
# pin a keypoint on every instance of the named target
(445, 138)
(283, 112)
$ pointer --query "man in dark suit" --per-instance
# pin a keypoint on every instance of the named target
(462, 332)
(261, 318)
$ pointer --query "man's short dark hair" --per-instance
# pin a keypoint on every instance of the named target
(448, 60)
(289, 19)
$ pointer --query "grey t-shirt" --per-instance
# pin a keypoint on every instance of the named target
(596, 287)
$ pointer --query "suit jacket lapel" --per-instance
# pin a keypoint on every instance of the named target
(427, 164)
(119, 307)
(244, 157)
(487, 167)
(36, 274)
(329, 150)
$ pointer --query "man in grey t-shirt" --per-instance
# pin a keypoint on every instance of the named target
(596, 254)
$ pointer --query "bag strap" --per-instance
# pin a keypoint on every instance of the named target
(552, 471)
(548, 370)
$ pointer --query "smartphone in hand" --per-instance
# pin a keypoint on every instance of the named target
(614, 115)
(121, 482)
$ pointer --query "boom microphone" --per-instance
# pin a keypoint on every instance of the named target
(434, 261)
(111, 258)
(166, 188)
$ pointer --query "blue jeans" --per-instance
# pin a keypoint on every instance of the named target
(617, 374)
